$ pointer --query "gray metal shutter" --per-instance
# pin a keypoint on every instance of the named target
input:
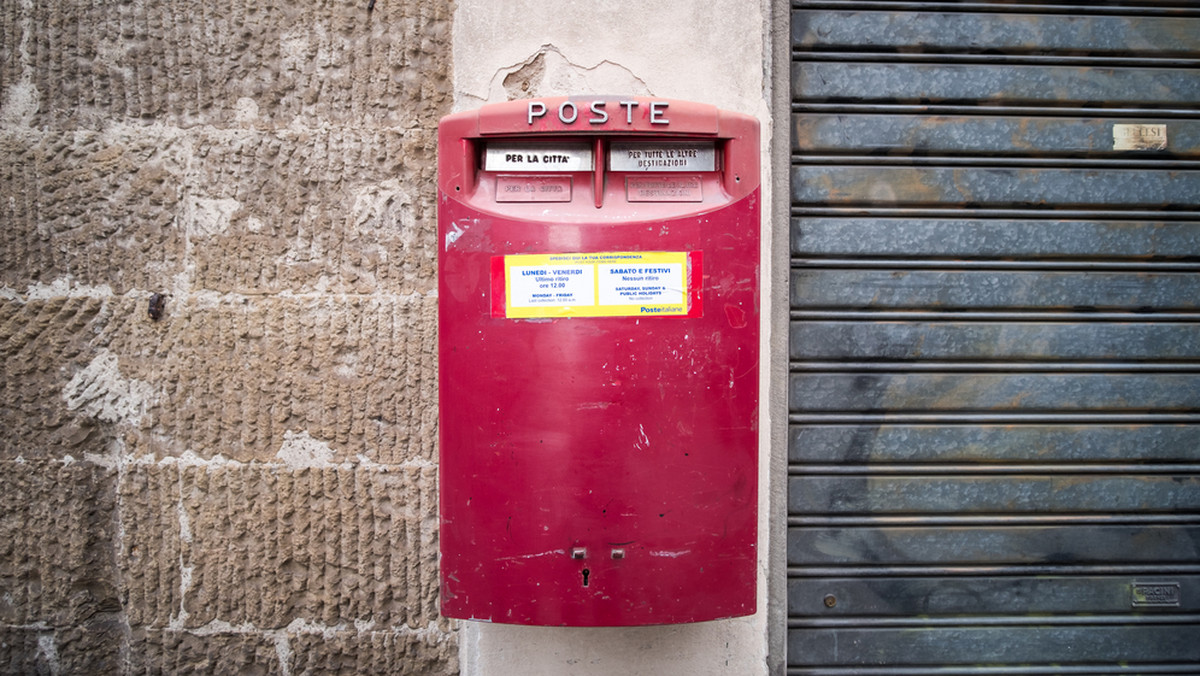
(994, 458)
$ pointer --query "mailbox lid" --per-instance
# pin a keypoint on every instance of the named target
(463, 140)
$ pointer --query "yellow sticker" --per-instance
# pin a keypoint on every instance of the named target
(608, 284)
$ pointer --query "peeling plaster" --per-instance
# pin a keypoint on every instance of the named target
(549, 72)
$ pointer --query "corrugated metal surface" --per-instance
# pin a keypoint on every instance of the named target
(995, 343)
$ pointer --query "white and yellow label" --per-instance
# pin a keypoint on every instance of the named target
(1139, 137)
(608, 284)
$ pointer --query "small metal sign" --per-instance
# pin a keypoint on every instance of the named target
(663, 156)
(539, 157)
(1139, 137)
(1155, 594)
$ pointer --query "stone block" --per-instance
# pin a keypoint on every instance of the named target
(57, 538)
(43, 343)
(349, 210)
(229, 62)
(244, 377)
(99, 208)
(153, 525)
(268, 546)
(380, 652)
(179, 653)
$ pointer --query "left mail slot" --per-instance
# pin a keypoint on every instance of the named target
(538, 157)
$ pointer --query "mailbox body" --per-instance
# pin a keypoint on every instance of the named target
(598, 459)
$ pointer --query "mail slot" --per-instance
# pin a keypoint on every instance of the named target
(598, 314)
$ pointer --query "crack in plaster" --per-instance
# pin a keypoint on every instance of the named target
(549, 72)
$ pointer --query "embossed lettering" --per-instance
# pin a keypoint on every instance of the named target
(536, 109)
(629, 106)
(657, 109)
(598, 110)
(562, 114)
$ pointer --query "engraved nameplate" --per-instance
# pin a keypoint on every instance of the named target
(1155, 595)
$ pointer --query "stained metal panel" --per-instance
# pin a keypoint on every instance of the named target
(1022, 494)
(1136, 443)
(1084, 187)
(1104, 649)
(1053, 85)
(996, 239)
(1074, 542)
(1007, 136)
(965, 33)
(992, 341)
(943, 290)
(908, 596)
(869, 391)
(994, 450)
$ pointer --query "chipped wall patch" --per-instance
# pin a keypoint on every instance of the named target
(301, 451)
(21, 103)
(384, 205)
(100, 391)
(207, 217)
(549, 72)
(245, 110)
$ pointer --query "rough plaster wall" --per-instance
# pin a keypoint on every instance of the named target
(710, 50)
(246, 485)
(716, 51)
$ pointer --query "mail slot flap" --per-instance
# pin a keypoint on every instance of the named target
(539, 156)
(599, 114)
(565, 155)
(668, 156)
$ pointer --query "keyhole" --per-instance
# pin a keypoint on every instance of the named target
(586, 573)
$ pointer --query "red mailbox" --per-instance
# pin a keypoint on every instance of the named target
(598, 314)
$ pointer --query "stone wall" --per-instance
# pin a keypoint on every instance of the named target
(246, 484)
